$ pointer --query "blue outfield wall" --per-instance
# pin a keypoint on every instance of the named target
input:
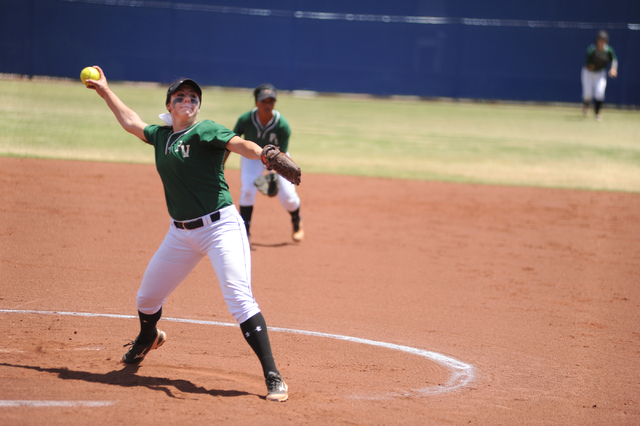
(491, 49)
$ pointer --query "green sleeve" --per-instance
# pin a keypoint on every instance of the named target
(587, 59)
(240, 124)
(151, 133)
(215, 134)
(286, 134)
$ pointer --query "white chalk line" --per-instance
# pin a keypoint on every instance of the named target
(29, 403)
(461, 374)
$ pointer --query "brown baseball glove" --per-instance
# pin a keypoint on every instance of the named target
(281, 164)
(600, 59)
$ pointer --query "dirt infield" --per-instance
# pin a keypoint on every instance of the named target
(408, 303)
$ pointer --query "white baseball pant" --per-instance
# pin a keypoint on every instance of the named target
(225, 242)
(594, 84)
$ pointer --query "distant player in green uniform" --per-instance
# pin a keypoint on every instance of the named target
(594, 73)
(266, 126)
(204, 222)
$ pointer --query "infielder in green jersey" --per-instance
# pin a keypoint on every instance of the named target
(594, 73)
(266, 126)
(204, 222)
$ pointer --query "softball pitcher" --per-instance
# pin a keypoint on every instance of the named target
(594, 73)
(204, 222)
(266, 126)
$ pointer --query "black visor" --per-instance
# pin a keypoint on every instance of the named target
(176, 84)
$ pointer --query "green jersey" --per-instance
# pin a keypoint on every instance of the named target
(276, 132)
(600, 59)
(189, 163)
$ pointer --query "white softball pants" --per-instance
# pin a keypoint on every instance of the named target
(594, 84)
(225, 242)
(250, 170)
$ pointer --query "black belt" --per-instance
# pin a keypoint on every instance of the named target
(198, 223)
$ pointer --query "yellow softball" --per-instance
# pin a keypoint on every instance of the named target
(89, 73)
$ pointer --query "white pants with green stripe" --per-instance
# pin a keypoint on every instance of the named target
(226, 244)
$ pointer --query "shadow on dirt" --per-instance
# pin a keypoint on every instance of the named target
(272, 245)
(126, 377)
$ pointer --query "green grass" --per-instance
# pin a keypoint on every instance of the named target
(547, 146)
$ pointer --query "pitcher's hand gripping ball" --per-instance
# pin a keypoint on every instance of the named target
(281, 164)
(89, 73)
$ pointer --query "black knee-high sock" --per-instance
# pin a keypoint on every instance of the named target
(255, 333)
(148, 323)
(246, 212)
(295, 216)
(598, 106)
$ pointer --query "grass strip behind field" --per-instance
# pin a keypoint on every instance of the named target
(547, 146)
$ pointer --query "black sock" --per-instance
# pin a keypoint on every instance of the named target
(586, 104)
(246, 212)
(255, 333)
(295, 216)
(598, 106)
(148, 323)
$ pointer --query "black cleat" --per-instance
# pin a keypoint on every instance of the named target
(137, 351)
(276, 387)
